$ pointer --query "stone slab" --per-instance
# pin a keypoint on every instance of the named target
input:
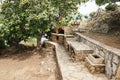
(77, 46)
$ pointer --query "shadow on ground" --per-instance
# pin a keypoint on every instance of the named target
(19, 52)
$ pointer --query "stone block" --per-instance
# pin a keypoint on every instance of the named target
(114, 68)
(116, 59)
(108, 69)
(96, 58)
(61, 39)
(102, 54)
(54, 38)
(94, 68)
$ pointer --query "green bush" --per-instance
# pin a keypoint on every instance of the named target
(92, 14)
(2, 44)
(111, 7)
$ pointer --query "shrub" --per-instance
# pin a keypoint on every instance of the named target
(2, 44)
(111, 7)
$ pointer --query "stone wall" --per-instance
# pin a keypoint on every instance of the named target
(68, 30)
(110, 54)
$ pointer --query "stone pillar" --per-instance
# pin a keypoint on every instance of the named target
(54, 38)
(65, 43)
(61, 39)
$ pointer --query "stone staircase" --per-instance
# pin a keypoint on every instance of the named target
(75, 60)
(73, 70)
(81, 52)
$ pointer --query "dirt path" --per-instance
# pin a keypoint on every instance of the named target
(33, 67)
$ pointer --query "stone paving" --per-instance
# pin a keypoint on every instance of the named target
(74, 70)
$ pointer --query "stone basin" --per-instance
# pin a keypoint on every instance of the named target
(96, 59)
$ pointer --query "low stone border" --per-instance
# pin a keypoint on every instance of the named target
(53, 45)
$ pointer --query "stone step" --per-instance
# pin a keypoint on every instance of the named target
(73, 70)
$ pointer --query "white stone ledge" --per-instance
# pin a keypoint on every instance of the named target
(57, 34)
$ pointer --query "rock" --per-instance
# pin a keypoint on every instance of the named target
(101, 27)
(102, 54)
(6, 55)
(114, 68)
(50, 70)
(42, 63)
(92, 68)
(104, 21)
(105, 28)
(71, 68)
(116, 59)
(97, 69)
(109, 69)
(35, 53)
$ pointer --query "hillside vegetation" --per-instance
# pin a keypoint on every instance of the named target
(105, 21)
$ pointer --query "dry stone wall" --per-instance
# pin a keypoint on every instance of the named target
(111, 56)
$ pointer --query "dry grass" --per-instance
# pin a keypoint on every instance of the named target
(30, 42)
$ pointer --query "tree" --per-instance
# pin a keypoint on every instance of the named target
(25, 18)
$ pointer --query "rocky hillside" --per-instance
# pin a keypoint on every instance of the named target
(105, 22)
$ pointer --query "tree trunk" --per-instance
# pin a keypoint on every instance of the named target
(39, 40)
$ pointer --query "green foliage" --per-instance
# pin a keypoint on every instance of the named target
(79, 17)
(25, 18)
(29, 18)
(102, 2)
(111, 7)
(92, 14)
(3, 31)
(2, 44)
(86, 16)
(66, 10)
(31, 41)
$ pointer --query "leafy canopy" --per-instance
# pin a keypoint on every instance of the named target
(25, 18)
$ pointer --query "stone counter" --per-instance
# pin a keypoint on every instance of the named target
(78, 51)
(59, 38)
(110, 54)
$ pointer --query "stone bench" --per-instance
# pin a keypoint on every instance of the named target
(78, 51)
